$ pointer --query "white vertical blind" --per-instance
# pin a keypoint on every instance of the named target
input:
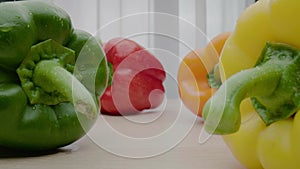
(210, 16)
(192, 25)
(83, 14)
(222, 15)
(165, 25)
(123, 18)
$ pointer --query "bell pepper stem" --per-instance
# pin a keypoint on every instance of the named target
(50, 76)
(272, 85)
(222, 114)
(46, 78)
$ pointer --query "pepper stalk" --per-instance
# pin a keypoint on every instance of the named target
(46, 77)
(273, 86)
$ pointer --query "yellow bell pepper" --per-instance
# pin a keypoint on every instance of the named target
(256, 109)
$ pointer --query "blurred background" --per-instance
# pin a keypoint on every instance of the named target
(168, 28)
(211, 16)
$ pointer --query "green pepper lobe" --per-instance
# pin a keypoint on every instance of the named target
(273, 86)
(51, 22)
(17, 34)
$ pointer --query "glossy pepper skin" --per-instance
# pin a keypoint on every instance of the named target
(193, 72)
(45, 100)
(137, 79)
(257, 106)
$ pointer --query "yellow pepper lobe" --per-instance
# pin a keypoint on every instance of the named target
(248, 39)
(285, 24)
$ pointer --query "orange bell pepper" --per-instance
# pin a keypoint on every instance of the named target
(193, 85)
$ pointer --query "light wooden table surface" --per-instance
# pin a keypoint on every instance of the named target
(91, 152)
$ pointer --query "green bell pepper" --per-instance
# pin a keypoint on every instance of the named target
(51, 77)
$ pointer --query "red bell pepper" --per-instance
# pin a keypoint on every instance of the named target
(137, 79)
